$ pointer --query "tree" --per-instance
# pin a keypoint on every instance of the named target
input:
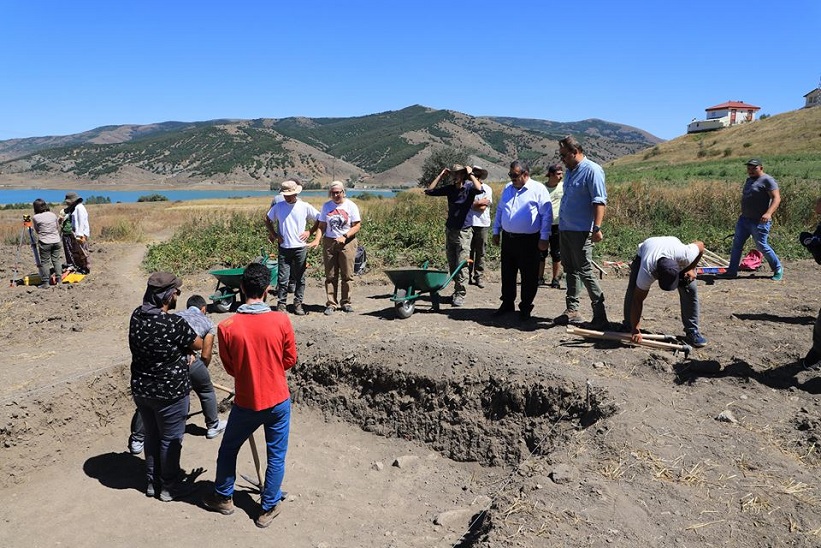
(439, 160)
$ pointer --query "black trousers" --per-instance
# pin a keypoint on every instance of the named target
(520, 255)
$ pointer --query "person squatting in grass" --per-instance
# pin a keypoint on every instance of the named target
(286, 221)
(257, 346)
(339, 221)
(160, 343)
(47, 226)
(522, 226)
(673, 264)
(580, 217)
(464, 187)
(760, 197)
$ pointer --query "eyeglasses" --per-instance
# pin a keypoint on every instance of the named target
(337, 193)
(514, 176)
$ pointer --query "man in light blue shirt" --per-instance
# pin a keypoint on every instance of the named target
(523, 223)
(580, 217)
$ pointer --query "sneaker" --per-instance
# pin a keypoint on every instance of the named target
(329, 310)
(151, 490)
(181, 488)
(695, 339)
(504, 309)
(298, 310)
(542, 281)
(218, 503)
(135, 447)
(347, 308)
(458, 300)
(282, 308)
(479, 283)
(779, 275)
(811, 360)
(569, 317)
(555, 284)
(265, 518)
(216, 430)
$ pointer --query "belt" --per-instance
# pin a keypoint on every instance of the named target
(515, 235)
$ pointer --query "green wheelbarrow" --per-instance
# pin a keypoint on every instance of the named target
(228, 283)
(411, 283)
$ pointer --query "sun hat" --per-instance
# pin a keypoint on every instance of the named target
(667, 273)
(161, 281)
(71, 197)
(289, 188)
(478, 172)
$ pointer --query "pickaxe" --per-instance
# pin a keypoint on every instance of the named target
(254, 451)
(649, 340)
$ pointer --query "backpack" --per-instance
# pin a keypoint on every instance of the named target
(360, 262)
(752, 261)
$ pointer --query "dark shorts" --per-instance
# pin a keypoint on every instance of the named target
(554, 249)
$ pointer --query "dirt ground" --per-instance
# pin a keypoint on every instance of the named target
(563, 441)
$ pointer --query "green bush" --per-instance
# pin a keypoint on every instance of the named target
(153, 198)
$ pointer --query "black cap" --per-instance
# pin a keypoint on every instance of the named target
(754, 162)
(160, 281)
(667, 273)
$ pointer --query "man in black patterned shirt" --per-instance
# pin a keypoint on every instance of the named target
(160, 384)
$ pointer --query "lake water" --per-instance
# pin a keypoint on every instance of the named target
(25, 195)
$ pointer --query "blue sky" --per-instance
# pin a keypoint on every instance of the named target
(72, 66)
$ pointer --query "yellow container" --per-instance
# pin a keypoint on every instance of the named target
(32, 279)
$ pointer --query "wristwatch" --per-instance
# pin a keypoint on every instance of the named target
(596, 228)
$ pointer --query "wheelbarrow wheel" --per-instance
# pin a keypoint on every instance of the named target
(224, 304)
(404, 309)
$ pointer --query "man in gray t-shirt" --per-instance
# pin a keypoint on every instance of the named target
(760, 198)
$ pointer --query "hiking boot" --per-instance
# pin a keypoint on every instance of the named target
(695, 339)
(458, 300)
(812, 360)
(555, 284)
(216, 430)
(135, 447)
(264, 519)
(218, 503)
(779, 275)
(479, 283)
(524, 314)
(599, 323)
(329, 310)
(504, 309)
(177, 490)
(347, 308)
(282, 308)
(298, 310)
(569, 317)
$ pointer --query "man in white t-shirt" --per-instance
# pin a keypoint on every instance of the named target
(478, 220)
(286, 222)
(673, 264)
(340, 221)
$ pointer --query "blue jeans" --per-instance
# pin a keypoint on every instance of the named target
(687, 296)
(291, 264)
(164, 423)
(242, 423)
(744, 228)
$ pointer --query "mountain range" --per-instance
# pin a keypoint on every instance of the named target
(384, 149)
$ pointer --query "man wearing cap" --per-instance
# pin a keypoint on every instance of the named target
(478, 221)
(666, 259)
(460, 194)
(581, 214)
(760, 198)
(75, 228)
(286, 222)
(257, 347)
(160, 343)
(522, 226)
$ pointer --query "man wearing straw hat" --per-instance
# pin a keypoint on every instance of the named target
(286, 222)
(465, 186)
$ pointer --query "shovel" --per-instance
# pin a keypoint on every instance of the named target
(625, 338)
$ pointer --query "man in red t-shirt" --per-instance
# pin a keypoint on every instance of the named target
(256, 346)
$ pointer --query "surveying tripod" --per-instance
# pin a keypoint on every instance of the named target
(28, 228)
